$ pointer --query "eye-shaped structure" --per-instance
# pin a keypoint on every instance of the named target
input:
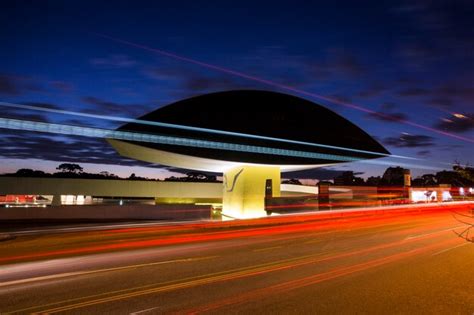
(219, 131)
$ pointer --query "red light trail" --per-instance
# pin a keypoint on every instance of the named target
(285, 225)
(300, 251)
(317, 278)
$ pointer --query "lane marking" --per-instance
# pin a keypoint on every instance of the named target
(313, 241)
(238, 275)
(81, 273)
(266, 248)
(372, 231)
(58, 230)
(310, 280)
(431, 233)
(400, 242)
(177, 284)
(152, 285)
(144, 311)
(448, 249)
(205, 279)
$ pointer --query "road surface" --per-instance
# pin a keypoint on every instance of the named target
(387, 263)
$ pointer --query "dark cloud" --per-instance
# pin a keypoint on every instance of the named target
(279, 65)
(423, 153)
(454, 89)
(387, 106)
(166, 72)
(388, 117)
(338, 64)
(103, 107)
(114, 61)
(372, 90)
(269, 63)
(441, 101)
(200, 83)
(451, 146)
(348, 64)
(387, 114)
(451, 94)
(438, 30)
(265, 63)
(417, 51)
(8, 85)
(191, 83)
(441, 93)
(26, 145)
(409, 141)
(414, 92)
(16, 85)
(42, 104)
(341, 98)
(457, 123)
(62, 86)
(317, 71)
(22, 114)
(447, 19)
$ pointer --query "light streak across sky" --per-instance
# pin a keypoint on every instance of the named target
(25, 125)
(281, 86)
(207, 130)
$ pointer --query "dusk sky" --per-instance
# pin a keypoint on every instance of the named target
(411, 61)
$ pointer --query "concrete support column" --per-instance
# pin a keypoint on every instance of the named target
(407, 185)
(323, 196)
(56, 200)
(245, 188)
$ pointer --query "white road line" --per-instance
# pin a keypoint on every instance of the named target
(81, 273)
(448, 249)
(266, 248)
(112, 226)
(144, 311)
(435, 232)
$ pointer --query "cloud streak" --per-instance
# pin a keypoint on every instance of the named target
(409, 141)
(457, 123)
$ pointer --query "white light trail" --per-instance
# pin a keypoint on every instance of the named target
(26, 125)
(206, 130)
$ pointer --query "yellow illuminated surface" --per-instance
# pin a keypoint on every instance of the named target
(179, 200)
(244, 191)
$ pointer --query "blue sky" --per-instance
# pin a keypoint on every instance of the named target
(412, 61)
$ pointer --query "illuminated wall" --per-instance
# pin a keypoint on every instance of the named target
(244, 190)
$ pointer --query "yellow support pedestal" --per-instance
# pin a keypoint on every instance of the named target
(245, 188)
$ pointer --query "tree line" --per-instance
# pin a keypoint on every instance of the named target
(459, 176)
(72, 170)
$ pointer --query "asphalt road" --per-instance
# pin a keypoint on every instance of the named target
(409, 263)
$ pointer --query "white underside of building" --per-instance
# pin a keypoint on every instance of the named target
(150, 155)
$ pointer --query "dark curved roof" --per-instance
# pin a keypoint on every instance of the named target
(263, 113)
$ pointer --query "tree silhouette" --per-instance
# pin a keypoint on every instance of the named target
(466, 172)
(292, 181)
(373, 180)
(26, 172)
(70, 168)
